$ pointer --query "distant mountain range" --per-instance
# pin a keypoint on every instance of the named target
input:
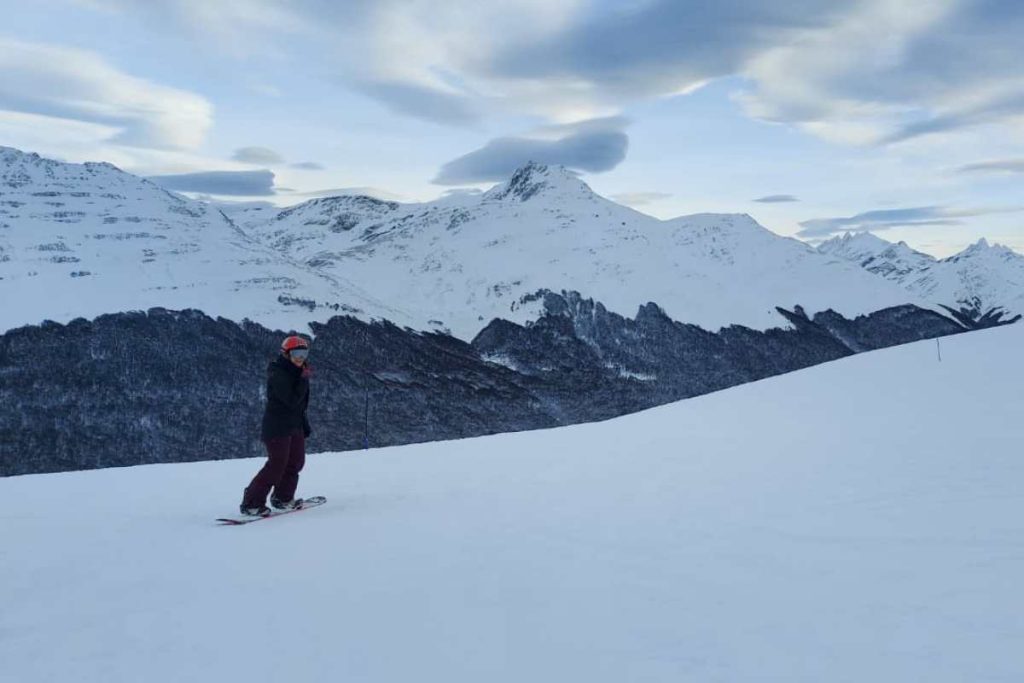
(982, 283)
(79, 240)
(459, 262)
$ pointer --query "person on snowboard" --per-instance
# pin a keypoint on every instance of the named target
(284, 431)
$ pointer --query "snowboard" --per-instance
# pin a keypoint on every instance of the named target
(307, 503)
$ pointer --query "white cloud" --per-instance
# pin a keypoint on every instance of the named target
(257, 155)
(594, 151)
(890, 71)
(994, 166)
(616, 54)
(68, 83)
(776, 199)
(80, 141)
(52, 136)
(242, 28)
(375, 192)
(418, 57)
(886, 219)
(849, 71)
(429, 59)
(221, 183)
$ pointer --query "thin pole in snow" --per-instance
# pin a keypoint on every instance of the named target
(938, 349)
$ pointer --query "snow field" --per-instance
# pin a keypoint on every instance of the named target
(856, 521)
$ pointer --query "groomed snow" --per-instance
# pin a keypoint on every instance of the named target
(862, 520)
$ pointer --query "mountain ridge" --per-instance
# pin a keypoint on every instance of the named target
(96, 239)
(465, 260)
(981, 283)
(80, 240)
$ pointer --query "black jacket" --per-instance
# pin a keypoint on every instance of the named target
(287, 399)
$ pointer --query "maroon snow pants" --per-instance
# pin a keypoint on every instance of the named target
(285, 457)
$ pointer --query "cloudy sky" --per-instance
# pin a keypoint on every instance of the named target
(814, 116)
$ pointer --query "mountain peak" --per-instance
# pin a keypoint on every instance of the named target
(18, 169)
(856, 246)
(534, 178)
(9, 156)
(977, 249)
(982, 248)
(860, 238)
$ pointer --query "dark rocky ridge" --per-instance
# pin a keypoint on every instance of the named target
(164, 386)
(595, 361)
(974, 315)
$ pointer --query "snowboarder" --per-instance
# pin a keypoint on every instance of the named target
(284, 432)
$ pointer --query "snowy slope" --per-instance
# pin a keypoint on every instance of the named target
(78, 240)
(761, 533)
(463, 260)
(983, 276)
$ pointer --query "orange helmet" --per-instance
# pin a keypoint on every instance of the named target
(294, 342)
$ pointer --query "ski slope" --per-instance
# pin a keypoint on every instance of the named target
(861, 520)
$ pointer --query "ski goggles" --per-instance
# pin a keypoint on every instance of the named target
(299, 353)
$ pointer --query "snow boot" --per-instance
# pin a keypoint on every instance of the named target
(255, 511)
(292, 504)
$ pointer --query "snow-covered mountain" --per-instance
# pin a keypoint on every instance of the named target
(678, 544)
(463, 260)
(894, 261)
(980, 279)
(78, 240)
